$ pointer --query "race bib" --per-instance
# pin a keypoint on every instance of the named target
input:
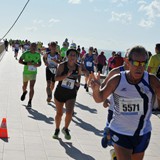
(53, 70)
(89, 64)
(131, 106)
(32, 68)
(68, 83)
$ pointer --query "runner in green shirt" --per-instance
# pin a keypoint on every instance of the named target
(31, 60)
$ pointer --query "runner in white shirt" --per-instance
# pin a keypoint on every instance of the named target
(133, 93)
(51, 60)
(16, 49)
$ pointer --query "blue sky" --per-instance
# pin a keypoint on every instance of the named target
(104, 24)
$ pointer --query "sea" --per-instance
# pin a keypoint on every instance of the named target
(108, 53)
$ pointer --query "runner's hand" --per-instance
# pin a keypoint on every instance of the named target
(95, 81)
(106, 103)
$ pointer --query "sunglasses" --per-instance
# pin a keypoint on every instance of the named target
(138, 63)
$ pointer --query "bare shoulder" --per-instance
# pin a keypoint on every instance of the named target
(114, 80)
(115, 71)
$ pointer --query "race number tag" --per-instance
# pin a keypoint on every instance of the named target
(131, 106)
(32, 68)
(89, 64)
(68, 83)
(53, 70)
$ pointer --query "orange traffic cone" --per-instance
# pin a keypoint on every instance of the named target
(3, 129)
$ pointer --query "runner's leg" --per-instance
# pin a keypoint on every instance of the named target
(59, 113)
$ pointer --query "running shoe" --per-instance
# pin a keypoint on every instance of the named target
(56, 133)
(65, 131)
(113, 154)
(106, 140)
(29, 106)
(23, 96)
(87, 90)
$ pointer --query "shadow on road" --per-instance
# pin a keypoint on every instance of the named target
(88, 127)
(73, 152)
(34, 114)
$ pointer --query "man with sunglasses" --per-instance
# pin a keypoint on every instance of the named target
(133, 92)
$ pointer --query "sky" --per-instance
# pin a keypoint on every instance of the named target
(103, 24)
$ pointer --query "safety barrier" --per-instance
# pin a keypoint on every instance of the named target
(1, 50)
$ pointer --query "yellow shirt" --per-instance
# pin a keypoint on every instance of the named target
(154, 63)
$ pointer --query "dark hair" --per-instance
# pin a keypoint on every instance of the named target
(139, 50)
(33, 44)
(53, 44)
(113, 52)
(91, 48)
(158, 47)
(149, 54)
(70, 50)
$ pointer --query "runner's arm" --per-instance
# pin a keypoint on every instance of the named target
(100, 95)
(58, 76)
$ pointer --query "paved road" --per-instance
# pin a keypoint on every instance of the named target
(30, 132)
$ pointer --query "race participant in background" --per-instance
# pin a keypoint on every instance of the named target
(16, 48)
(66, 42)
(31, 60)
(110, 65)
(51, 60)
(117, 60)
(26, 46)
(63, 50)
(154, 67)
(101, 62)
(6, 44)
(83, 52)
(58, 49)
(89, 61)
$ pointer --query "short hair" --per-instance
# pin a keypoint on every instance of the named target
(137, 49)
(70, 50)
(91, 48)
(158, 47)
(34, 44)
(53, 44)
(113, 53)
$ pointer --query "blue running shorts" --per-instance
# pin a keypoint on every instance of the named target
(137, 143)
